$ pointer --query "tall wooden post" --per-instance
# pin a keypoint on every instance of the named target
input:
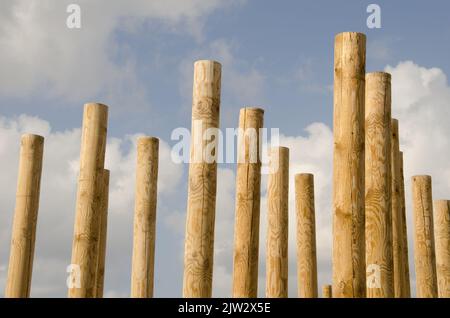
(378, 186)
(326, 291)
(87, 218)
(442, 242)
(277, 222)
(405, 271)
(248, 191)
(199, 240)
(145, 218)
(348, 166)
(25, 217)
(306, 236)
(424, 255)
(100, 276)
(397, 226)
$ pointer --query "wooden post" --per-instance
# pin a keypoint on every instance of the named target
(248, 192)
(442, 241)
(348, 166)
(326, 291)
(378, 186)
(145, 218)
(87, 218)
(201, 207)
(277, 222)
(25, 217)
(306, 236)
(424, 256)
(397, 226)
(100, 276)
(405, 271)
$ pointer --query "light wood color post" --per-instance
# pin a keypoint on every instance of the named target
(100, 277)
(90, 182)
(326, 291)
(199, 239)
(142, 274)
(248, 192)
(20, 267)
(306, 236)
(424, 255)
(379, 279)
(397, 220)
(442, 242)
(406, 279)
(348, 167)
(277, 222)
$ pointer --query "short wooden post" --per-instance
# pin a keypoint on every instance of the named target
(406, 279)
(248, 192)
(397, 226)
(348, 167)
(378, 186)
(90, 182)
(277, 222)
(306, 236)
(326, 291)
(442, 242)
(424, 255)
(100, 277)
(145, 218)
(201, 209)
(25, 217)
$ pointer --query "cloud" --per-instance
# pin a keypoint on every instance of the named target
(57, 203)
(41, 55)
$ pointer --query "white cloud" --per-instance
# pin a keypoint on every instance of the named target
(57, 203)
(40, 54)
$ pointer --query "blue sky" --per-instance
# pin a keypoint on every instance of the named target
(138, 57)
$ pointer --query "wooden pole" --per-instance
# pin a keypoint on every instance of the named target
(306, 236)
(201, 207)
(87, 218)
(348, 166)
(442, 241)
(397, 226)
(145, 218)
(277, 221)
(25, 217)
(424, 256)
(100, 276)
(326, 291)
(248, 192)
(405, 271)
(378, 186)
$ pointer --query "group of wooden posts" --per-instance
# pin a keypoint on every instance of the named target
(370, 250)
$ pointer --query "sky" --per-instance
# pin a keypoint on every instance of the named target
(137, 57)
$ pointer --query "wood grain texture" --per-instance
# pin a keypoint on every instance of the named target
(397, 220)
(142, 272)
(348, 166)
(248, 192)
(199, 239)
(406, 279)
(277, 222)
(20, 267)
(100, 276)
(424, 255)
(88, 206)
(306, 236)
(378, 226)
(442, 241)
(326, 291)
